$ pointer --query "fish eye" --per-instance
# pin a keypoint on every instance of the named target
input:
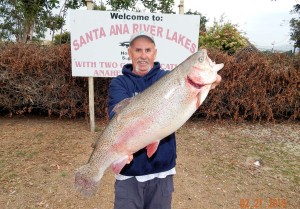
(201, 59)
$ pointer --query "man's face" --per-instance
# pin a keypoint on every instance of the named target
(142, 53)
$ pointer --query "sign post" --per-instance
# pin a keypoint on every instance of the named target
(89, 4)
(181, 7)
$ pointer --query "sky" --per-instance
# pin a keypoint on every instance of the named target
(264, 22)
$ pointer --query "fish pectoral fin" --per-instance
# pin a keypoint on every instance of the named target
(151, 148)
(119, 164)
(202, 95)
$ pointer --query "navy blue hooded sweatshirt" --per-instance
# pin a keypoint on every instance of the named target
(129, 85)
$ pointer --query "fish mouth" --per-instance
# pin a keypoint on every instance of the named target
(196, 85)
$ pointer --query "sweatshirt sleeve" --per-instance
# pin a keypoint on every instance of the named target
(117, 92)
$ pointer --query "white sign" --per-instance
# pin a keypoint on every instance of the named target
(100, 39)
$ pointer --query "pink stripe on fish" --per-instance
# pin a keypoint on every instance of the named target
(132, 130)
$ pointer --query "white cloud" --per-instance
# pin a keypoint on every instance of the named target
(264, 21)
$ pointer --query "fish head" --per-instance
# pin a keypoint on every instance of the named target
(201, 70)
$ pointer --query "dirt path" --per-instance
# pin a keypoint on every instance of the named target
(218, 165)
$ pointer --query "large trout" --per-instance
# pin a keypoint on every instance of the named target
(149, 117)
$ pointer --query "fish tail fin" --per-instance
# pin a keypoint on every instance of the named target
(85, 182)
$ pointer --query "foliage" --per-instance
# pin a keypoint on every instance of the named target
(55, 22)
(224, 36)
(9, 13)
(21, 24)
(21, 20)
(256, 87)
(295, 27)
(64, 38)
(203, 21)
(118, 5)
(151, 5)
(163, 6)
(100, 7)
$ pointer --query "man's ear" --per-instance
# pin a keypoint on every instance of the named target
(155, 53)
(129, 52)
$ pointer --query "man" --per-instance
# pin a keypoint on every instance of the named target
(144, 183)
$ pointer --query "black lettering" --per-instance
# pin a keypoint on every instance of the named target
(114, 15)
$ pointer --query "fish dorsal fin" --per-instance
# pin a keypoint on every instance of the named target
(121, 105)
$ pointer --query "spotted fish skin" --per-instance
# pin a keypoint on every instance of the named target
(149, 117)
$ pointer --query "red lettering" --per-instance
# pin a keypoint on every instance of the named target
(193, 48)
(102, 33)
(95, 32)
(86, 64)
(180, 39)
(82, 41)
(187, 43)
(174, 37)
(89, 37)
(135, 28)
(76, 45)
(119, 29)
(159, 32)
(107, 73)
(168, 66)
(152, 30)
(167, 36)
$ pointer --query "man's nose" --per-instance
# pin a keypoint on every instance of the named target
(144, 54)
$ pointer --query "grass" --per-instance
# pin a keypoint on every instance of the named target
(281, 162)
(63, 174)
(40, 135)
(276, 160)
(26, 154)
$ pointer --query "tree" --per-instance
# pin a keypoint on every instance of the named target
(163, 6)
(101, 7)
(64, 38)
(151, 5)
(20, 20)
(26, 13)
(295, 27)
(224, 36)
(118, 5)
(203, 21)
(56, 23)
(10, 18)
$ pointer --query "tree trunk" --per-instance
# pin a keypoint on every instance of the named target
(28, 31)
